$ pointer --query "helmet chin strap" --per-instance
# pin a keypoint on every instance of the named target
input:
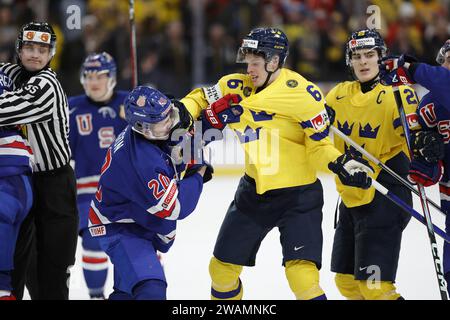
(269, 74)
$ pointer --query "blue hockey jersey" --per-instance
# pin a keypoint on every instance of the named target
(93, 127)
(435, 79)
(139, 184)
(433, 115)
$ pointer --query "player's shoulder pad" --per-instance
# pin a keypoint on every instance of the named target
(75, 100)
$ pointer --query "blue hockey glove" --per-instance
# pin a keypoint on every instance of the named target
(393, 71)
(425, 173)
(427, 145)
(223, 111)
(331, 113)
(352, 170)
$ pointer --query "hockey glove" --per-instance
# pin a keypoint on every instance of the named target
(184, 124)
(352, 170)
(425, 173)
(393, 71)
(197, 163)
(223, 111)
(331, 113)
(427, 145)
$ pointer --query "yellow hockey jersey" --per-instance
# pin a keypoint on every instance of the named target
(283, 129)
(372, 120)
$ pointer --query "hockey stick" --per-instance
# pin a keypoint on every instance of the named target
(423, 199)
(133, 57)
(391, 196)
(382, 165)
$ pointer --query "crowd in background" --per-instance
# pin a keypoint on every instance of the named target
(317, 30)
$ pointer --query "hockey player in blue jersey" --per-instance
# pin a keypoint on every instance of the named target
(140, 195)
(96, 118)
(431, 145)
(16, 195)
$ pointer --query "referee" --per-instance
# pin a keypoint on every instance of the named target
(40, 104)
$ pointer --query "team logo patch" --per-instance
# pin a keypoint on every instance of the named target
(141, 101)
(44, 37)
(162, 101)
(292, 83)
(36, 36)
(247, 91)
(29, 35)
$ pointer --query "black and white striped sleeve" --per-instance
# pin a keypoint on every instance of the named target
(33, 103)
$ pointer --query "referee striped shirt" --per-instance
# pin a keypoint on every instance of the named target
(41, 105)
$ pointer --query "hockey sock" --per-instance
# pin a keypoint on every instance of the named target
(225, 280)
(152, 289)
(5, 293)
(378, 290)
(348, 286)
(95, 270)
(303, 278)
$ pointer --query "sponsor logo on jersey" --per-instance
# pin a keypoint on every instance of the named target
(413, 120)
(320, 121)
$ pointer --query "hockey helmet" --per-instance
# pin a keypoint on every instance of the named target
(364, 39)
(266, 42)
(99, 63)
(146, 109)
(40, 32)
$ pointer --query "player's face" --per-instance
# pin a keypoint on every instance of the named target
(446, 63)
(256, 69)
(159, 130)
(96, 85)
(34, 56)
(365, 64)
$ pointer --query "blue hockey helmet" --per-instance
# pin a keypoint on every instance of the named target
(440, 58)
(147, 111)
(266, 42)
(99, 63)
(364, 39)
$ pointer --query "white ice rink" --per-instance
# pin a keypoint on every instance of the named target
(186, 264)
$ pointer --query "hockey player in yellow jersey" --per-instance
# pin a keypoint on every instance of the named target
(281, 122)
(368, 235)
